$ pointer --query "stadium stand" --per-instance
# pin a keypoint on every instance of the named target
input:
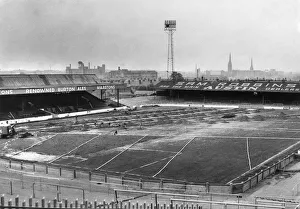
(25, 96)
(239, 91)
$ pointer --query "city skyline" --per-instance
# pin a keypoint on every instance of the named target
(45, 35)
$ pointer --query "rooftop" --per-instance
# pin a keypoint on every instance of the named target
(46, 80)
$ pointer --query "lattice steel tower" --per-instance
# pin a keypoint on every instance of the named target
(170, 28)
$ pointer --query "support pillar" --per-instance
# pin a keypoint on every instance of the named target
(118, 97)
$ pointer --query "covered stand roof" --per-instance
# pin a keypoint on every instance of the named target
(50, 83)
(33, 80)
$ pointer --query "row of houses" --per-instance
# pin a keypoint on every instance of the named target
(129, 77)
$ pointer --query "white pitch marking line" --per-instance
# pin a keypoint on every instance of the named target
(79, 161)
(180, 151)
(266, 161)
(152, 163)
(151, 150)
(38, 143)
(119, 153)
(73, 149)
(248, 153)
(250, 137)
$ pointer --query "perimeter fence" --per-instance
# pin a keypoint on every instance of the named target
(174, 203)
(110, 180)
(113, 181)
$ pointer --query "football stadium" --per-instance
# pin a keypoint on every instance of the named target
(123, 137)
(227, 141)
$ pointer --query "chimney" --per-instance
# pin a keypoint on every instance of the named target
(119, 68)
(89, 65)
(70, 66)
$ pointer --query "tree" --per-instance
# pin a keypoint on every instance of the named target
(175, 76)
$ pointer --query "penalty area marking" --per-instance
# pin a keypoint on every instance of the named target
(148, 164)
(57, 158)
(35, 144)
(248, 154)
(120, 153)
(152, 150)
(266, 161)
(179, 152)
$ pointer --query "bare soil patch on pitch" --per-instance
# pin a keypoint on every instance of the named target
(153, 136)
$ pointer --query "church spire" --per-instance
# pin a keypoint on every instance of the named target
(229, 64)
(251, 67)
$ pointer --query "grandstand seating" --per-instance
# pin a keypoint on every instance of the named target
(235, 97)
(22, 106)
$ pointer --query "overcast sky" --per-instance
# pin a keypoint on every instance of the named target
(39, 34)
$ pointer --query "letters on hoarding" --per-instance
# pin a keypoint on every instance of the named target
(105, 87)
(54, 89)
(6, 92)
(39, 90)
(263, 86)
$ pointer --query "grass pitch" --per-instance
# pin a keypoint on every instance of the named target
(205, 159)
(216, 152)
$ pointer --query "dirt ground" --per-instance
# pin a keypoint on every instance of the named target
(282, 185)
(246, 123)
(210, 144)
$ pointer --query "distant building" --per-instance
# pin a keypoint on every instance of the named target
(134, 77)
(251, 67)
(99, 71)
(243, 74)
(251, 73)
(229, 65)
(214, 75)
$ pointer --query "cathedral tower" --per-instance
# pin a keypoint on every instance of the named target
(229, 65)
(251, 67)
